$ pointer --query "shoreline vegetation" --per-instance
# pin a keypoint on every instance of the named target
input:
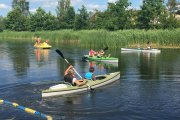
(93, 38)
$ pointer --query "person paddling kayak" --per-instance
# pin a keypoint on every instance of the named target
(70, 77)
(148, 45)
(92, 53)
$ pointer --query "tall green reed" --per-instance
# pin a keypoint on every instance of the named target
(103, 38)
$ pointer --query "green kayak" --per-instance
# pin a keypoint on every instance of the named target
(65, 89)
(103, 59)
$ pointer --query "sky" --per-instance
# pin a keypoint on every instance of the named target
(51, 5)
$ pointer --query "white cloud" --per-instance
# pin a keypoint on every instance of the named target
(55, 1)
(134, 8)
(39, 0)
(91, 7)
(77, 2)
(44, 3)
(4, 6)
(50, 4)
(112, 1)
(32, 10)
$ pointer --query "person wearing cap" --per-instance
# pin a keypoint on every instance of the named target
(89, 75)
(70, 77)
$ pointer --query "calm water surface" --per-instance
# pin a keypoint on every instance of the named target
(148, 89)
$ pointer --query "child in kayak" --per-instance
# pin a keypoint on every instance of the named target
(70, 77)
(89, 75)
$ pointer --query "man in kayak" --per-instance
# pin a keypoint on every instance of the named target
(70, 77)
(89, 75)
(148, 45)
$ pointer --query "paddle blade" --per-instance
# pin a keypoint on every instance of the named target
(106, 48)
(60, 53)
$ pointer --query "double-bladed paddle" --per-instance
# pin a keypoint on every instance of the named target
(61, 54)
(106, 48)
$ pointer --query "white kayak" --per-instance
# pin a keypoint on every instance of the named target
(65, 89)
(140, 50)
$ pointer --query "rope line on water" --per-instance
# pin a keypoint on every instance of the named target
(28, 110)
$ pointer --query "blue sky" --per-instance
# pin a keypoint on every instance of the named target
(50, 5)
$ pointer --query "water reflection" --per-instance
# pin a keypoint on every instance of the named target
(141, 64)
(149, 67)
(18, 53)
(42, 55)
(101, 67)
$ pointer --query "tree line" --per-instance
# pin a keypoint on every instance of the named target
(153, 14)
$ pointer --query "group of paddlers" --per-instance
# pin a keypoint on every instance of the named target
(69, 76)
(38, 41)
(99, 53)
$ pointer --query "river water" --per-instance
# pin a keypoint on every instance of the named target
(148, 88)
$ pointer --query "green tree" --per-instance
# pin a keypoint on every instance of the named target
(37, 20)
(178, 12)
(16, 20)
(171, 4)
(97, 19)
(63, 10)
(118, 17)
(82, 19)
(134, 18)
(50, 22)
(150, 13)
(42, 21)
(63, 6)
(1, 24)
(169, 21)
(23, 5)
(70, 17)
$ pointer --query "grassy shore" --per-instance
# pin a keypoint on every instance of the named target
(95, 38)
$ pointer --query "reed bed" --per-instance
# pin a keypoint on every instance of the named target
(103, 38)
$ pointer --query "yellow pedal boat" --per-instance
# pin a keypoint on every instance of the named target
(42, 45)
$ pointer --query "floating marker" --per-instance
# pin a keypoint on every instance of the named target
(27, 110)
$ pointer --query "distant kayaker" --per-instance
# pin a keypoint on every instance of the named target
(100, 53)
(148, 45)
(92, 53)
(45, 43)
(89, 75)
(70, 77)
(38, 40)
